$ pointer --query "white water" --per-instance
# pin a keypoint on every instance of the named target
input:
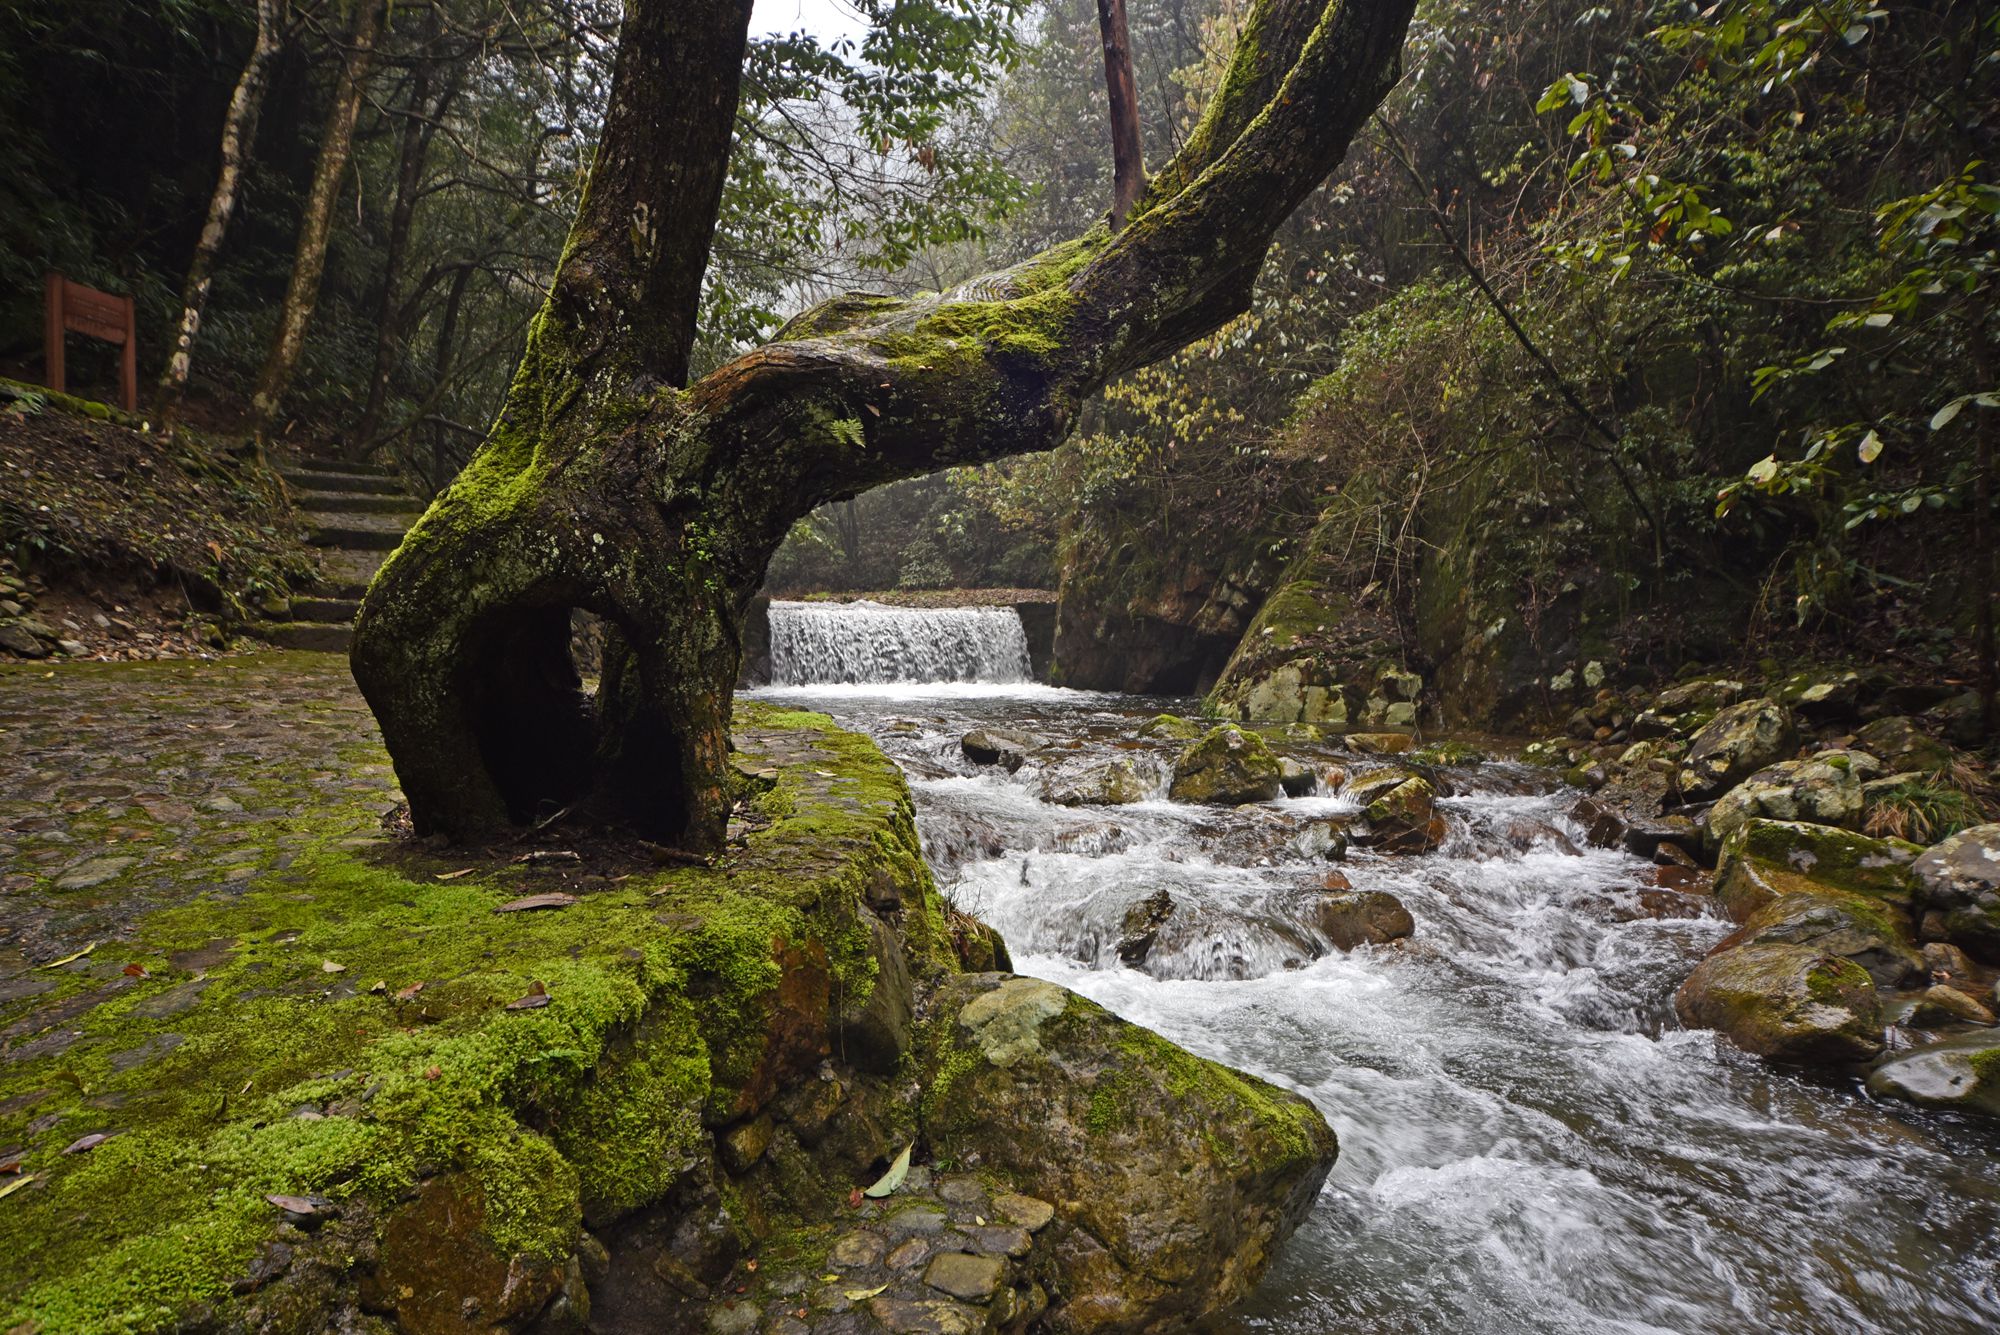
(1529, 1142)
(865, 642)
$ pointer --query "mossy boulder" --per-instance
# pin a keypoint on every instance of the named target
(1765, 859)
(1399, 813)
(1874, 935)
(1961, 1072)
(1788, 1003)
(1735, 744)
(1228, 766)
(1099, 783)
(1960, 882)
(1824, 789)
(1903, 745)
(1033, 1082)
(1172, 727)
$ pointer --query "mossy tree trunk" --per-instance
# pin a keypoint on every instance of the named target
(609, 484)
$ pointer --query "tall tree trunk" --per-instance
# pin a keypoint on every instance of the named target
(412, 153)
(239, 131)
(309, 261)
(603, 487)
(1128, 173)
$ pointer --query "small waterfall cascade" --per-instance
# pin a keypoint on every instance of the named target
(866, 642)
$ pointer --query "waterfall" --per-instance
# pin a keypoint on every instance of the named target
(815, 643)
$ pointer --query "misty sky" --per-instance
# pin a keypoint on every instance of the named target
(826, 18)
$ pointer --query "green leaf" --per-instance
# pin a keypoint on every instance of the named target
(1870, 449)
(1942, 417)
(1764, 470)
(892, 1179)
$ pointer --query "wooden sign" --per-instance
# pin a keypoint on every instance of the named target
(74, 308)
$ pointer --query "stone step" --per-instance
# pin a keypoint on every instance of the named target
(340, 466)
(368, 484)
(346, 573)
(372, 533)
(324, 636)
(354, 503)
(342, 609)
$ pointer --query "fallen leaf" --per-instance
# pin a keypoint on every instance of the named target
(538, 996)
(829, 1279)
(328, 966)
(854, 1199)
(541, 855)
(136, 970)
(89, 1142)
(433, 1073)
(409, 991)
(306, 1207)
(555, 899)
(454, 875)
(751, 1265)
(892, 1179)
(378, 987)
(863, 1295)
(71, 959)
(16, 1184)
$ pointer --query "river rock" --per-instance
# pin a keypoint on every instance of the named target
(1837, 922)
(1764, 859)
(1902, 745)
(1958, 1072)
(1171, 727)
(1959, 879)
(1403, 818)
(1710, 694)
(1228, 767)
(1296, 779)
(1786, 1002)
(1043, 1088)
(1737, 742)
(1825, 789)
(1362, 918)
(1940, 1005)
(1105, 783)
(1005, 747)
(1141, 926)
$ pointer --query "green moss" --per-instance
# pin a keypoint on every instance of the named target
(288, 1078)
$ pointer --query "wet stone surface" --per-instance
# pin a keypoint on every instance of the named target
(126, 788)
(943, 1256)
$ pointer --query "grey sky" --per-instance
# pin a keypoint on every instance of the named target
(827, 19)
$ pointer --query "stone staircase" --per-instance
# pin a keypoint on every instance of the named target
(359, 513)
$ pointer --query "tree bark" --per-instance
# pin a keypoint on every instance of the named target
(239, 131)
(603, 487)
(1128, 172)
(309, 261)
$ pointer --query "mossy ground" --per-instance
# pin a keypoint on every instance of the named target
(334, 1020)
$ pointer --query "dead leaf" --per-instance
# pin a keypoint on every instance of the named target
(555, 899)
(328, 966)
(540, 856)
(863, 1295)
(751, 1265)
(854, 1199)
(454, 875)
(136, 970)
(89, 1142)
(71, 959)
(378, 987)
(410, 991)
(538, 996)
(433, 1073)
(305, 1207)
(16, 1184)
(892, 1179)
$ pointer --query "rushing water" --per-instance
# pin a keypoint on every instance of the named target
(865, 642)
(1529, 1143)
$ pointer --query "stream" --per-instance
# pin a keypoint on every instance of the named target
(1529, 1142)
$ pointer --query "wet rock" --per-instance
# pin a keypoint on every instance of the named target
(1172, 727)
(1959, 879)
(1379, 743)
(1103, 783)
(875, 1032)
(1823, 695)
(1141, 926)
(1361, 918)
(16, 638)
(965, 1275)
(1404, 819)
(1835, 922)
(1042, 1087)
(1764, 859)
(1735, 744)
(1950, 966)
(855, 1251)
(742, 1146)
(1902, 745)
(1711, 694)
(1958, 1072)
(1825, 789)
(1940, 1005)
(1296, 779)
(1005, 747)
(1227, 767)
(1785, 1002)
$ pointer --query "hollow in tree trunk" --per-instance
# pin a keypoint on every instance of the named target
(608, 484)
